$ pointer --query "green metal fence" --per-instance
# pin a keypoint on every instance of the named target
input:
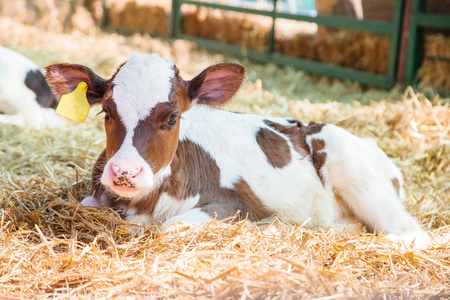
(418, 22)
(382, 27)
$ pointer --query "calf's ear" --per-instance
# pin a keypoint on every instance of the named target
(64, 78)
(217, 84)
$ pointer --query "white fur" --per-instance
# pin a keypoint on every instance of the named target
(141, 83)
(15, 97)
(362, 174)
(166, 207)
(192, 217)
(17, 102)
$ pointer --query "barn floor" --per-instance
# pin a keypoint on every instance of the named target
(50, 247)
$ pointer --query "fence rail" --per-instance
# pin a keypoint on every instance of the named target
(419, 19)
(382, 27)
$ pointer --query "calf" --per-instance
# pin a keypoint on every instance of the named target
(25, 97)
(171, 156)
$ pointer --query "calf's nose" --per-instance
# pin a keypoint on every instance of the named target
(129, 174)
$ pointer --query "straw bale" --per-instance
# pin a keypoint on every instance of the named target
(55, 14)
(51, 247)
(230, 27)
(437, 45)
(435, 72)
(142, 15)
(359, 50)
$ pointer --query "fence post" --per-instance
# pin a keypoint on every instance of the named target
(272, 31)
(395, 40)
(105, 14)
(174, 17)
(415, 44)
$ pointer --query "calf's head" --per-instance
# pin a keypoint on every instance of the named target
(143, 102)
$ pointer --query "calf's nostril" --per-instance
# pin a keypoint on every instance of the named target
(114, 169)
(136, 172)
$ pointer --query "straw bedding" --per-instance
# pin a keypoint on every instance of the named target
(51, 247)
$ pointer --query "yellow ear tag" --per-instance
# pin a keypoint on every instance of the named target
(75, 105)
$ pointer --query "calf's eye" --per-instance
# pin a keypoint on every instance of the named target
(106, 114)
(173, 119)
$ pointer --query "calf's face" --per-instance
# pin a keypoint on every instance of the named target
(142, 105)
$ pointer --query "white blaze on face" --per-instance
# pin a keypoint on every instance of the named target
(140, 84)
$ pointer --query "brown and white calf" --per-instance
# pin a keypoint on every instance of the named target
(171, 156)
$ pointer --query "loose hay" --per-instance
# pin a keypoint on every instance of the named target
(50, 246)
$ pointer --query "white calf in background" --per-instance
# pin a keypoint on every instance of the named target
(171, 156)
(25, 98)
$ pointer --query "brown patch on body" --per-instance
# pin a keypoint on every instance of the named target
(318, 158)
(294, 133)
(275, 148)
(396, 184)
(297, 134)
(346, 212)
(194, 172)
(313, 128)
(240, 202)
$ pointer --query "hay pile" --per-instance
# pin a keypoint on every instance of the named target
(352, 49)
(359, 50)
(52, 247)
(434, 72)
(226, 26)
(141, 15)
(56, 15)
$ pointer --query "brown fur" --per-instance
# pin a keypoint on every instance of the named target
(295, 134)
(64, 78)
(318, 158)
(396, 184)
(154, 130)
(347, 214)
(275, 148)
(217, 84)
(312, 128)
(115, 130)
